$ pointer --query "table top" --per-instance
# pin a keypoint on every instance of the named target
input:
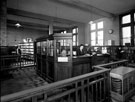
(122, 70)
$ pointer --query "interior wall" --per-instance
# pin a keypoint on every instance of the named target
(16, 35)
(109, 23)
(114, 25)
(81, 33)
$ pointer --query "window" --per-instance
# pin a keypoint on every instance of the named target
(126, 31)
(126, 19)
(127, 28)
(100, 25)
(93, 26)
(75, 36)
(97, 33)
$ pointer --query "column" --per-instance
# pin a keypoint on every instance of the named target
(3, 23)
(50, 28)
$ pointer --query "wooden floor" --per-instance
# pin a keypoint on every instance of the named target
(19, 80)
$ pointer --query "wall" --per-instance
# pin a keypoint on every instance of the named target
(16, 35)
(114, 25)
(109, 23)
(81, 33)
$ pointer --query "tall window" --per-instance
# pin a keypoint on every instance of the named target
(75, 36)
(97, 33)
(127, 28)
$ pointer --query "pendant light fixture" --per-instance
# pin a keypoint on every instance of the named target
(18, 24)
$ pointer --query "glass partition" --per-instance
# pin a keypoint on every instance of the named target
(63, 47)
(38, 48)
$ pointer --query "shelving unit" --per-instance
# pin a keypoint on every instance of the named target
(122, 83)
(27, 48)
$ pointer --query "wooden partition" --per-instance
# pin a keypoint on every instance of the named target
(112, 65)
(126, 52)
(55, 60)
(81, 65)
(91, 87)
(9, 62)
(122, 87)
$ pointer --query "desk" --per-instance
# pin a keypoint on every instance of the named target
(122, 83)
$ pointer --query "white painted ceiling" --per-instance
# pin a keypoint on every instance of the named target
(75, 10)
(112, 6)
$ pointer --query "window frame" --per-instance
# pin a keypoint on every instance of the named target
(96, 30)
(131, 24)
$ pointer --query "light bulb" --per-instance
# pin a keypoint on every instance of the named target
(17, 25)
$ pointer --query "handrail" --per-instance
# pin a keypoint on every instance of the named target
(15, 61)
(50, 87)
(102, 65)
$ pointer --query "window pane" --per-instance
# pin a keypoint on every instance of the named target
(93, 26)
(100, 25)
(134, 16)
(126, 19)
(100, 35)
(93, 43)
(73, 43)
(74, 37)
(93, 35)
(65, 31)
(74, 31)
(126, 40)
(100, 42)
(126, 31)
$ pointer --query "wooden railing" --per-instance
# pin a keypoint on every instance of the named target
(91, 87)
(112, 65)
(16, 61)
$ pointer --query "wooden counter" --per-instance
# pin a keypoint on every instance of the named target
(100, 59)
(81, 65)
(52, 70)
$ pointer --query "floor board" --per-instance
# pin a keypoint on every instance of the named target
(19, 80)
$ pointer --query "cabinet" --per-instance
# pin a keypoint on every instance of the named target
(122, 83)
(54, 58)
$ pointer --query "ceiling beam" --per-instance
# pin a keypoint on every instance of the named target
(85, 7)
(57, 21)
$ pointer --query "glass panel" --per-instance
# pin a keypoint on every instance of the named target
(100, 25)
(38, 48)
(93, 35)
(126, 19)
(100, 35)
(126, 40)
(93, 26)
(126, 31)
(50, 48)
(43, 48)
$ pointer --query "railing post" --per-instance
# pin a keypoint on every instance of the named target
(20, 61)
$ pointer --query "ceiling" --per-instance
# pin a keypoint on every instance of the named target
(67, 12)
